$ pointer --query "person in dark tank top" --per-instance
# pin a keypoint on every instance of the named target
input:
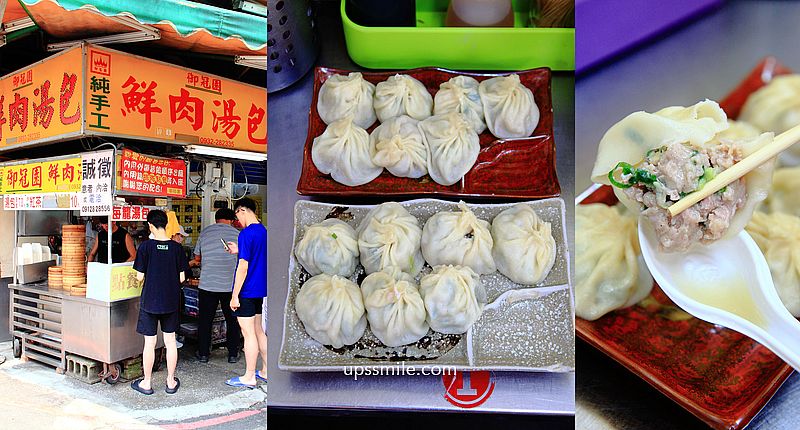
(122, 249)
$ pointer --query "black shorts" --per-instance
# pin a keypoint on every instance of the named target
(249, 306)
(148, 323)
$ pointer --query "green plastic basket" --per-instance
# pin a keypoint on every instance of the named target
(430, 43)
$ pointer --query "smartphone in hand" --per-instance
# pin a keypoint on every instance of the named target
(225, 244)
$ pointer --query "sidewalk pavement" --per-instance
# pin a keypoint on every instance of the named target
(35, 396)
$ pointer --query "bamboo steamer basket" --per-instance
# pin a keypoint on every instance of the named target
(70, 281)
(78, 290)
(55, 278)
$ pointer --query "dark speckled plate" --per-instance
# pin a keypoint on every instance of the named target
(507, 169)
(722, 377)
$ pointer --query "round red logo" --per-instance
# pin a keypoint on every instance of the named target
(468, 389)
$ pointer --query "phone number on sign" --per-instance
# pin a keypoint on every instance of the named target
(216, 142)
(96, 209)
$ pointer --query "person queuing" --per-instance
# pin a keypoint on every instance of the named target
(162, 264)
(249, 290)
(122, 248)
(216, 279)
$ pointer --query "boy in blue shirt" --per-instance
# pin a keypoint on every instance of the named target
(249, 291)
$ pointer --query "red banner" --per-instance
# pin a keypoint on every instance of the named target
(154, 176)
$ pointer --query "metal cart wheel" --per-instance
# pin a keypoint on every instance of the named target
(161, 354)
(114, 373)
(17, 347)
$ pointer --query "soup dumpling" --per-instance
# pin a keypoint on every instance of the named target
(332, 310)
(509, 107)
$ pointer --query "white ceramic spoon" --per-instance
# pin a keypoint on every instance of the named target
(727, 283)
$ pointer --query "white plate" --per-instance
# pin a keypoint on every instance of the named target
(522, 328)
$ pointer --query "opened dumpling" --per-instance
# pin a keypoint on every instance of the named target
(509, 107)
(458, 238)
(778, 236)
(332, 310)
(328, 247)
(402, 95)
(390, 236)
(398, 146)
(395, 309)
(785, 193)
(655, 159)
(342, 96)
(776, 107)
(453, 146)
(344, 152)
(609, 271)
(454, 297)
(460, 94)
(524, 247)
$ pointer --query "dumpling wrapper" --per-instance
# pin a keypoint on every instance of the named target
(524, 248)
(330, 246)
(778, 237)
(453, 144)
(332, 310)
(775, 107)
(458, 238)
(395, 309)
(460, 94)
(341, 96)
(399, 147)
(610, 273)
(509, 107)
(785, 193)
(389, 236)
(402, 95)
(344, 152)
(454, 298)
(699, 126)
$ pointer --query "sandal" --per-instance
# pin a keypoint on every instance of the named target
(236, 382)
(173, 390)
(135, 386)
(259, 377)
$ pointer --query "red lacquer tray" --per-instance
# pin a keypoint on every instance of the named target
(512, 169)
(722, 377)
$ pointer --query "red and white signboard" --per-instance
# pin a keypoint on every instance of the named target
(153, 176)
(131, 213)
(49, 201)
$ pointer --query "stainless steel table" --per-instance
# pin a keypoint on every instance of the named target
(704, 59)
(288, 118)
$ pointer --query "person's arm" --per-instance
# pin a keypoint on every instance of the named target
(131, 248)
(238, 282)
(198, 251)
(233, 248)
(93, 252)
(183, 265)
(140, 264)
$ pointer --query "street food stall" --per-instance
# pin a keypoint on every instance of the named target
(116, 103)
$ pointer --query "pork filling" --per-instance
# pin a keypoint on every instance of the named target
(669, 173)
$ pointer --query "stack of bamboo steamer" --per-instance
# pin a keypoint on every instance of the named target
(73, 259)
(55, 280)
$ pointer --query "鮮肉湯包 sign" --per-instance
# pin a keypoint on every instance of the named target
(93, 91)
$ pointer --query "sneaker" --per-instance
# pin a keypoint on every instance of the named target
(233, 359)
(201, 358)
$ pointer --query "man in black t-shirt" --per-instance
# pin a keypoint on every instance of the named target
(162, 264)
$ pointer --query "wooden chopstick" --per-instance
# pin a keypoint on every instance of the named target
(743, 167)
